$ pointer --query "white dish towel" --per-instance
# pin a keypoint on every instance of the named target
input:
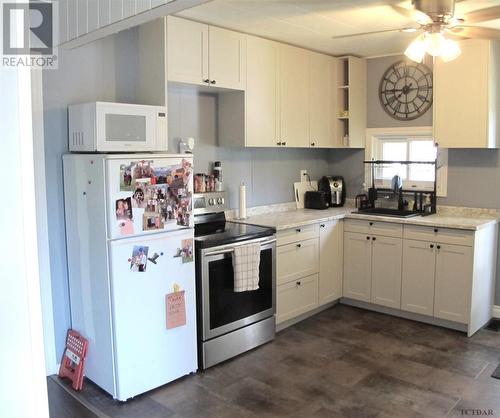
(246, 262)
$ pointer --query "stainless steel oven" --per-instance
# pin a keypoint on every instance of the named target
(229, 322)
(223, 309)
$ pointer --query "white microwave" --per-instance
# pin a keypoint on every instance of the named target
(117, 127)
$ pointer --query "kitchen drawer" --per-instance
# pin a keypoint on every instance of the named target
(296, 298)
(443, 235)
(299, 233)
(297, 260)
(360, 226)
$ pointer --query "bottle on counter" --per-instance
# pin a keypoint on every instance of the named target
(218, 176)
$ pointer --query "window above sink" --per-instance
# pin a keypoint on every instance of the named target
(406, 144)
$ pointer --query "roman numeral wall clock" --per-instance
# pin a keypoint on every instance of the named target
(405, 90)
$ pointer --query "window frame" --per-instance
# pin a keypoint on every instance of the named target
(375, 137)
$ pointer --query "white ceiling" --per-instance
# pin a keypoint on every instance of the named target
(312, 23)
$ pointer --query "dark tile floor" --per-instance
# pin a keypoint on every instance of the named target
(343, 362)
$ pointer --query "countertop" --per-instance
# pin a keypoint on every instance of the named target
(300, 217)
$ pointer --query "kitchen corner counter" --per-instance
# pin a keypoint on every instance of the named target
(300, 217)
(437, 220)
(297, 217)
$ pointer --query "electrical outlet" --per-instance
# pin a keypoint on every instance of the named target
(304, 176)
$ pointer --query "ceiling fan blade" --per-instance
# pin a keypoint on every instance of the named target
(475, 32)
(412, 14)
(352, 35)
(483, 15)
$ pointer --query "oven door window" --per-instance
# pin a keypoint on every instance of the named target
(227, 306)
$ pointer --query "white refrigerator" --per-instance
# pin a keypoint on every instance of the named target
(131, 267)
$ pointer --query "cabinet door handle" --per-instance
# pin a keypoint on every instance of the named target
(312, 144)
(213, 82)
(283, 143)
(432, 245)
(438, 247)
(322, 225)
(299, 245)
(298, 230)
(436, 230)
(371, 223)
(373, 238)
(278, 143)
(367, 237)
(298, 283)
(206, 80)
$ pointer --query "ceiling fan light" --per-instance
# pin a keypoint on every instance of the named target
(416, 50)
(450, 50)
(435, 43)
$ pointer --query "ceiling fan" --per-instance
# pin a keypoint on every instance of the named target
(439, 25)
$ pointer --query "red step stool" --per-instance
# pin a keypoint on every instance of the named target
(74, 359)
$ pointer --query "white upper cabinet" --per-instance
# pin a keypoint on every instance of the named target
(205, 55)
(322, 98)
(262, 122)
(467, 97)
(187, 51)
(294, 96)
(226, 58)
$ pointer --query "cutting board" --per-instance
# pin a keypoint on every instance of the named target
(299, 190)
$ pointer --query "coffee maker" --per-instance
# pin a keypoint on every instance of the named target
(334, 188)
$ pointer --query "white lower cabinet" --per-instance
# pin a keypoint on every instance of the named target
(386, 271)
(296, 260)
(296, 297)
(357, 266)
(419, 262)
(452, 297)
(309, 268)
(331, 259)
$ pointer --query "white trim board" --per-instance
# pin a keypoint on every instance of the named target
(496, 311)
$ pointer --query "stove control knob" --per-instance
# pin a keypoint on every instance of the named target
(211, 202)
(220, 200)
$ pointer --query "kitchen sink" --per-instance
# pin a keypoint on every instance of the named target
(388, 212)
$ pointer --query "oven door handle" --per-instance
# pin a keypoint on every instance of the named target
(231, 250)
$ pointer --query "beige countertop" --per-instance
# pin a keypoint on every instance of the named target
(300, 217)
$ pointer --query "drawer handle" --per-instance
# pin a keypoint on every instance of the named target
(298, 283)
(432, 245)
(298, 230)
(371, 223)
(438, 247)
(299, 245)
(436, 230)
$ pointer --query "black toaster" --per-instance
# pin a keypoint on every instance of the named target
(316, 200)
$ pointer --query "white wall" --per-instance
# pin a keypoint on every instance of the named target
(104, 70)
(23, 388)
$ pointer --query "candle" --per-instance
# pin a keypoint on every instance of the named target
(243, 198)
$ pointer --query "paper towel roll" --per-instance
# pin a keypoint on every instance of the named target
(243, 201)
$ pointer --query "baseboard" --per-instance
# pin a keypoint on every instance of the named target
(496, 311)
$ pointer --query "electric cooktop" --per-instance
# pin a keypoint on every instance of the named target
(215, 231)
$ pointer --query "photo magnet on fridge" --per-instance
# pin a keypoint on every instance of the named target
(124, 217)
(186, 251)
(126, 184)
(139, 259)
